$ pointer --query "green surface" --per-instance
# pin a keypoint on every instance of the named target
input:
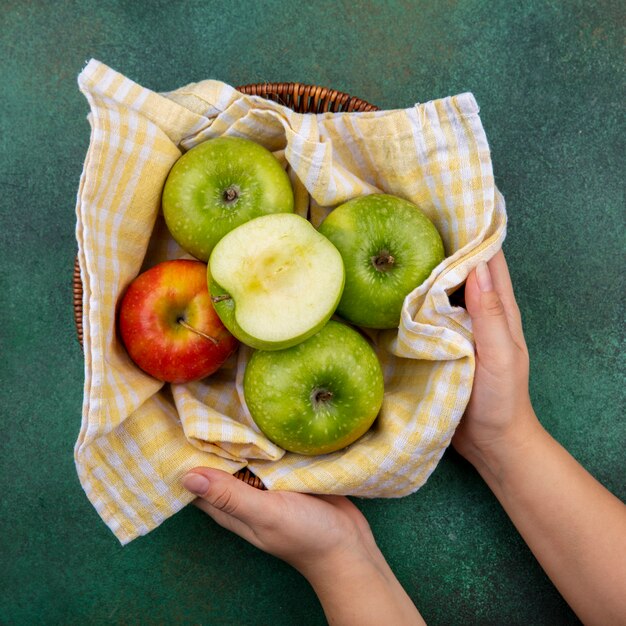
(549, 79)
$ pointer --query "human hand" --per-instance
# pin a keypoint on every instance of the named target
(574, 526)
(499, 409)
(326, 538)
(305, 531)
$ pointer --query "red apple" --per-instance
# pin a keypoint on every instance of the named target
(169, 326)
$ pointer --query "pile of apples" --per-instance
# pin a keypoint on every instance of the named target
(267, 278)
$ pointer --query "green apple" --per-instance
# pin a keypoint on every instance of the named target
(275, 281)
(316, 397)
(217, 186)
(389, 248)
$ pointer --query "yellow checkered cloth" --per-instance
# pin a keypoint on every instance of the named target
(139, 436)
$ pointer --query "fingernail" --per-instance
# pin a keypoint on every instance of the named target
(196, 483)
(483, 276)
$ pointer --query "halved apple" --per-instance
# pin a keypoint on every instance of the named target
(275, 281)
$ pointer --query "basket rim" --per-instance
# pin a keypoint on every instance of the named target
(308, 98)
(301, 98)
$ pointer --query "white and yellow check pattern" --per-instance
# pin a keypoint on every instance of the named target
(139, 436)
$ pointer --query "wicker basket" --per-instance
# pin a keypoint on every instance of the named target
(301, 99)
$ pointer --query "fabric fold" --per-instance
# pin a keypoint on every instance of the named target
(138, 436)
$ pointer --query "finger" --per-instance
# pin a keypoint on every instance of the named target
(502, 283)
(228, 496)
(492, 335)
(227, 521)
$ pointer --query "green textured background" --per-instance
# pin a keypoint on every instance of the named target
(549, 79)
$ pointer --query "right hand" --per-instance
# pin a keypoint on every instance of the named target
(574, 526)
(499, 408)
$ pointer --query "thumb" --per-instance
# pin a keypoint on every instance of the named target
(492, 335)
(229, 501)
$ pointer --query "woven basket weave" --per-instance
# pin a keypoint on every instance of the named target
(301, 99)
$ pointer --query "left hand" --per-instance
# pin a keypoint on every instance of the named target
(303, 530)
(326, 538)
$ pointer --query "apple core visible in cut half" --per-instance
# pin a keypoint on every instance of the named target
(275, 281)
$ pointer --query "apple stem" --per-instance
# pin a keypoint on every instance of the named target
(184, 324)
(321, 397)
(231, 194)
(221, 298)
(383, 261)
